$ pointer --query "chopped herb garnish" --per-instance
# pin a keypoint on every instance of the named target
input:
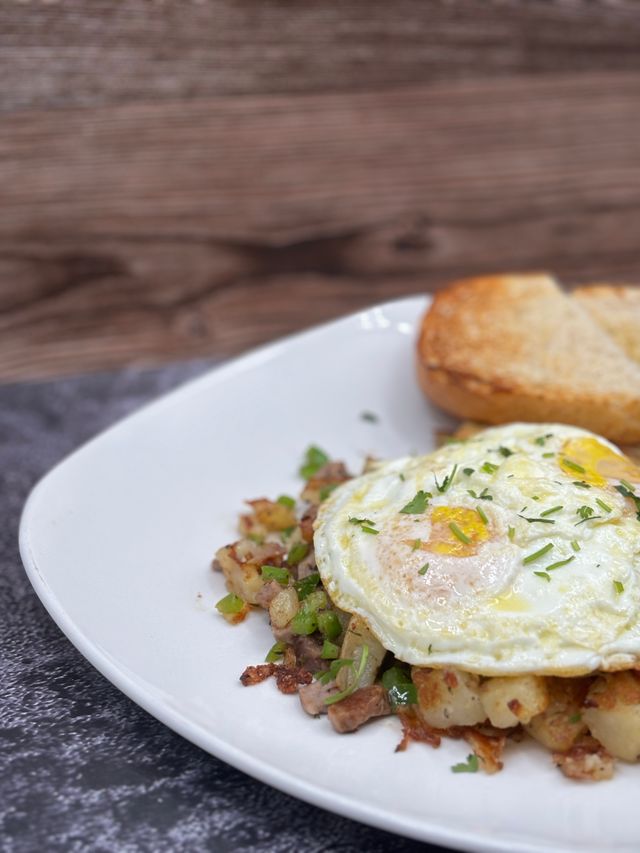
(448, 480)
(275, 573)
(489, 468)
(276, 652)
(401, 475)
(453, 527)
(231, 603)
(575, 545)
(483, 496)
(548, 455)
(585, 512)
(337, 697)
(417, 543)
(402, 691)
(256, 537)
(538, 520)
(551, 511)
(581, 484)
(305, 586)
(504, 451)
(482, 515)
(367, 521)
(286, 533)
(424, 569)
(430, 649)
(286, 500)
(603, 505)
(329, 651)
(543, 575)
(575, 718)
(297, 553)
(329, 624)
(535, 497)
(511, 532)
(330, 674)
(560, 563)
(471, 765)
(573, 466)
(627, 491)
(619, 587)
(314, 460)
(537, 554)
(370, 417)
(468, 471)
(418, 504)
(540, 440)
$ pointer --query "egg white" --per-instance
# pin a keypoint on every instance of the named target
(479, 606)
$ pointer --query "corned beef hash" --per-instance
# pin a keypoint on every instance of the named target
(486, 590)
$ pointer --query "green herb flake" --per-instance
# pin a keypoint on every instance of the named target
(575, 718)
(276, 651)
(551, 511)
(418, 504)
(424, 569)
(468, 471)
(541, 439)
(417, 543)
(543, 575)
(619, 587)
(504, 451)
(297, 553)
(447, 481)
(471, 765)
(370, 417)
(573, 466)
(511, 532)
(575, 545)
(581, 484)
(627, 491)
(482, 515)
(453, 527)
(560, 563)
(337, 697)
(401, 690)
(537, 554)
(548, 455)
(489, 468)
(286, 533)
(585, 512)
(327, 675)
(275, 573)
(325, 491)
(603, 505)
(329, 651)
(286, 500)
(402, 477)
(314, 460)
(483, 496)
(231, 603)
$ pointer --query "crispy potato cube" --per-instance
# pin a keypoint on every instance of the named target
(243, 578)
(273, 515)
(283, 607)
(561, 723)
(509, 701)
(448, 697)
(612, 712)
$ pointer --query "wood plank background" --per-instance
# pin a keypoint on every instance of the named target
(182, 178)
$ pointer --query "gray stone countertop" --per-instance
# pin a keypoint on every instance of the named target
(81, 766)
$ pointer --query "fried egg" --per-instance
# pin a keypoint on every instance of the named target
(516, 551)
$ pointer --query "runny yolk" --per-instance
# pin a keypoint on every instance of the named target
(600, 463)
(446, 520)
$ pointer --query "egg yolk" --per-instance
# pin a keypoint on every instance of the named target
(456, 530)
(599, 463)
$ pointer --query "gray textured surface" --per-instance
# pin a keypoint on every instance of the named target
(81, 766)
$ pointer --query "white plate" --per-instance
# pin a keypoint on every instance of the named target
(117, 542)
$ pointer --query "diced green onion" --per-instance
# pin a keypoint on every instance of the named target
(297, 553)
(402, 691)
(315, 601)
(275, 573)
(424, 569)
(305, 586)
(537, 554)
(231, 603)
(305, 622)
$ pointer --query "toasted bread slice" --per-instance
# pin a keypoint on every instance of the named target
(617, 310)
(516, 347)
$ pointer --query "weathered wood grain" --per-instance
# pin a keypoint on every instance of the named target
(152, 231)
(71, 52)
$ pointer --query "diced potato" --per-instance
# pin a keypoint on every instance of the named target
(509, 701)
(283, 607)
(356, 637)
(561, 724)
(612, 712)
(448, 697)
(273, 515)
(243, 578)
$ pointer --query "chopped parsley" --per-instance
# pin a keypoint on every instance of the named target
(581, 484)
(575, 545)
(540, 440)
(365, 524)
(504, 451)
(418, 504)
(489, 468)
(424, 569)
(468, 471)
(483, 496)
(585, 512)
(471, 765)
